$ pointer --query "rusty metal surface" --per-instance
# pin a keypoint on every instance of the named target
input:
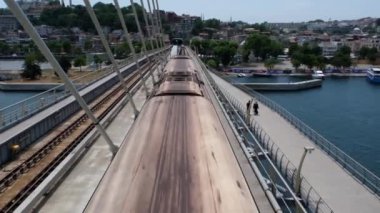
(181, 63)
(176, 158)
(179, 87)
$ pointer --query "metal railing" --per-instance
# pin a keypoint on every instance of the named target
(312, 200)
(19, 111)
(363, 175)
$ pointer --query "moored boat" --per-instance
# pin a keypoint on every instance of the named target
(373, 75)
(318, 74)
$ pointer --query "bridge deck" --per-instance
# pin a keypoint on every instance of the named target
(73, 194)
(338, 188)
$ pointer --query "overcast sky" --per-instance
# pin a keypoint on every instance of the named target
(267, 10)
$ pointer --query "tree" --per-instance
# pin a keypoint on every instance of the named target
(269, 63)
(378, 22)
(32, 69)
(65, 63)
(296, 63)
(262, 46)
(344, 50)
(212, 23)
(363, 52)
(66, 46)
(225, 51)
(4, 48)
(212, 63)
(197, 26)
(98, 61)
(122, 51)
(372, 55)
(79, 62)
(87, 45)
(341, 61)
(321, 62)
(310, 61)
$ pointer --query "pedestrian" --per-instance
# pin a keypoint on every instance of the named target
(249, 105)
(256, 108)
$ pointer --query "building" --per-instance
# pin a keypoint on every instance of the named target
(329, 48)
(8, 23)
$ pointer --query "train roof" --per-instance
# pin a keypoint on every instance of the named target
(180, 63)
(176, 158)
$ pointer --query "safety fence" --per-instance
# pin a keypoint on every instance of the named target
(19, 111)
(363, 175)
(311, 199)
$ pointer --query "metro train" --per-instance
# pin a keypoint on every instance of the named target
(176, 158)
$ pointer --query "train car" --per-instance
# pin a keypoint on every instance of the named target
(176, 158)
(180, 77)
(177, 41)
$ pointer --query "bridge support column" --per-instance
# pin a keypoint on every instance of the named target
(115, 66)
(143, 42)
(27, 25)
(129, 41)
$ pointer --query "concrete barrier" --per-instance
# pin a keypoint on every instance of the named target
(302, 85)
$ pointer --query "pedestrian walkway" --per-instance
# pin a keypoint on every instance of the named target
(337, 187)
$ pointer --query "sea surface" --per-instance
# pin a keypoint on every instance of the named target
(8, 98)
(18, 65)
(346, 111)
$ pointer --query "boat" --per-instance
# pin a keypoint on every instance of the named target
(318, 74)
(241, 75)
(263, 73)
(373, 75)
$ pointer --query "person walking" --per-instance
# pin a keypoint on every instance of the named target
(256, 108)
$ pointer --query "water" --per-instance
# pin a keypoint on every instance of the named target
(8, 98)
(18, 65)
(277, 79)
(345, 111)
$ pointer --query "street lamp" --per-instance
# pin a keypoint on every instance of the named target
(307, 149)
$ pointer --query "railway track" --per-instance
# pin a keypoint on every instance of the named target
(28, 174)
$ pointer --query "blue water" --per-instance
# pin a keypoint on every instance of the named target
(345, 111)
(10, 97)
(277, 79)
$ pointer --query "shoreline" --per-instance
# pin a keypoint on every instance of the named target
(299, 75)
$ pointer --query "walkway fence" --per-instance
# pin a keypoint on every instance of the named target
(311, 199)
(363, 175)
(309, 195)
(19, 111)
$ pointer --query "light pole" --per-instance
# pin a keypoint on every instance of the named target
(307, 149)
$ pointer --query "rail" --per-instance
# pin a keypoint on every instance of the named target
(363, 175)
(19, 111)
(59, 147)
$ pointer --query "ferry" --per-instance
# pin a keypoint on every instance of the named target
(373, 75)
(318, 75)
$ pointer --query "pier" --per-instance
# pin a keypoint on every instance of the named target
(291, 86)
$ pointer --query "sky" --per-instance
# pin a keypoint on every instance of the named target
(253, 11)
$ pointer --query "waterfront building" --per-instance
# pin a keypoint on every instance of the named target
(8, 23)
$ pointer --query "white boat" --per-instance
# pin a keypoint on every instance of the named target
(318, 74)
(241, 75)
(373, 75)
